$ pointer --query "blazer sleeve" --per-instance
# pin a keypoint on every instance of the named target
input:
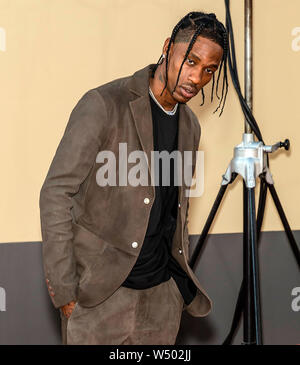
(70, 166)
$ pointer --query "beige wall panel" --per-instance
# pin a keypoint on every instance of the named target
(56, 50)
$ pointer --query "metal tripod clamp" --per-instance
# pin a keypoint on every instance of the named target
(250, 160)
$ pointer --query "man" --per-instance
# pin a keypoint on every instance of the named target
(116, 255)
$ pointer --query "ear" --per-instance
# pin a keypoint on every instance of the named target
(166, 44)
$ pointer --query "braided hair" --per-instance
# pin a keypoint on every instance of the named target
(191, 26)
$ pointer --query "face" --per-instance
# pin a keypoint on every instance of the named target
(198, 69)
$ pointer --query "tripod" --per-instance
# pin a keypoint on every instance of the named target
(251, 162)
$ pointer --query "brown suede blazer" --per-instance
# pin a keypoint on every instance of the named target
(92, 234)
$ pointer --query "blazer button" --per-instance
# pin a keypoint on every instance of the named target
(179, 205)
(146, 200)
(180, 251)
(134, 244)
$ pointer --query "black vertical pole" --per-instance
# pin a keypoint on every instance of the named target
(248, 58)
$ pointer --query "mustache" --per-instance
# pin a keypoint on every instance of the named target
(190, 87)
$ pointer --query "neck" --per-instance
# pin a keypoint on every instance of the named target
(157, 84)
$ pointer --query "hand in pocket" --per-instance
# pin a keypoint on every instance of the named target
(67, 309)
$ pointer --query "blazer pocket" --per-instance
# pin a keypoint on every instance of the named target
(104, 276)
(88, 247)
(101, 266)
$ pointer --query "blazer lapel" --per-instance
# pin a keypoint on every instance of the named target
(142, 115)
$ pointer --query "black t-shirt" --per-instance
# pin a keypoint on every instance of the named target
(155, 264)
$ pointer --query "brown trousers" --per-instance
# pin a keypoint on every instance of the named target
(128, 317)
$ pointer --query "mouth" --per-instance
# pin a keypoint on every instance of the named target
(188, 92)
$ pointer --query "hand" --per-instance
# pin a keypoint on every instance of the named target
(67, 309)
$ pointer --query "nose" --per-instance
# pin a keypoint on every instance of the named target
(196, 77)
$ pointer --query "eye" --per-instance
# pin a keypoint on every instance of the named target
(190, 61)
(209, 71)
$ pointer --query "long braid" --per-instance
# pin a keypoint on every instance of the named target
(203, 97)
(219, 74)
(212, 88)
(225, 80)
(173, 35)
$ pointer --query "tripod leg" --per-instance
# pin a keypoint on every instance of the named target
(285, 223)
(261, 205)
(252, 312)
(206, 228)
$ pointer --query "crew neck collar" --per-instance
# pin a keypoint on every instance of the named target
(169, 112)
